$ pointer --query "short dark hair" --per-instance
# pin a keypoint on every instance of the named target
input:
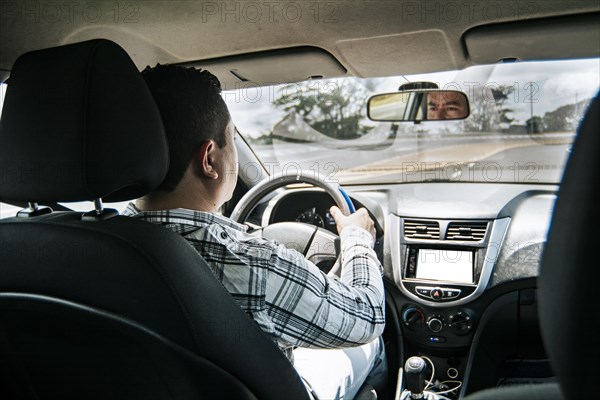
(192, 111)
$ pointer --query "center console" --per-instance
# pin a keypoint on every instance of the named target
(444, 263)
(441, 266)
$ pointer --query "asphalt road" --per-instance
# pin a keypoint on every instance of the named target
(500, 158)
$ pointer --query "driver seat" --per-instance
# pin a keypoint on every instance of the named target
(97, 305)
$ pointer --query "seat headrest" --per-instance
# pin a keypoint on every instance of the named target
(79, 123)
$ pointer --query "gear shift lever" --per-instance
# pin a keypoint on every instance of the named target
(414, 370)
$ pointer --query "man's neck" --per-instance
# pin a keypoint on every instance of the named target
(168, 201)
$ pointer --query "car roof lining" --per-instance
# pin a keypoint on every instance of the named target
(422, 37)
(4, 74)
(576, 36)
(272, 67)
(405, 53)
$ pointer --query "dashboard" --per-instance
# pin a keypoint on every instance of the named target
(440, 216)
(456, 257)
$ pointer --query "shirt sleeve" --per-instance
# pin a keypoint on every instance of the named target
(310, 309)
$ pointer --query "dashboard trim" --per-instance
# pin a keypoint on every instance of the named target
(497, 235)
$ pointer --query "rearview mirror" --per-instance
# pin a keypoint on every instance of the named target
(418, 106)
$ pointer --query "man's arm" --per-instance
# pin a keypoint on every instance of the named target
(310, 309)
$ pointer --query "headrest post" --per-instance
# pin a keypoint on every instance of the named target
(33, 210)
(100, 213)
(98, 206)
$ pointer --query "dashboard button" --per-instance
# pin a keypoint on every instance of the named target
(437, 294)
(423, 291)
(436, 339)
(461, 322)
(435, 325)
(451, 293)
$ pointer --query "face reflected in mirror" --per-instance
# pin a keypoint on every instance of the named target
(446, 105)
(418, 106)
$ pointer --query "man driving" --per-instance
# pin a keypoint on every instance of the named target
(329, 328)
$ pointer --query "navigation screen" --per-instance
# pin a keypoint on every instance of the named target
(445, 265)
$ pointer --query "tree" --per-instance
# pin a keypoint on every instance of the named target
(535, 125)
(265, 138)
(335, 108)
(565, 118)
(490, 110)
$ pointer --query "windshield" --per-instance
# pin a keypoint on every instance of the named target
(522, 124)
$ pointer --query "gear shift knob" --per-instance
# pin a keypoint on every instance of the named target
(414, 373)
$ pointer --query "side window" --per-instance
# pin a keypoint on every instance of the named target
(2, 94)
(6, 210)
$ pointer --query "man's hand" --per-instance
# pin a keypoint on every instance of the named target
(360, 218)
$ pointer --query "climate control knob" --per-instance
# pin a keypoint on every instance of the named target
(435, 323)
(461, 322)
(413, 316)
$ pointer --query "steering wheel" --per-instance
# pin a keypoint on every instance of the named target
(317, 244)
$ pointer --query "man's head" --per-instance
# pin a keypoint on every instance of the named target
(446, 105)
(199, 131)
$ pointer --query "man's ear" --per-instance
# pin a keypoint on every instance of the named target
(205, 160)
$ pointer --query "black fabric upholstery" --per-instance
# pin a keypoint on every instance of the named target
(150, 275)
(546, 391)
(568, 299)
(79, 123)
(568, 284)
(50, 342)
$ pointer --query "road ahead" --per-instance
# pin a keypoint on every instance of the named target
(519, 158)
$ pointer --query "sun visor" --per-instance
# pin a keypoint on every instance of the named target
(544, 39)
(272, 67)
(406, 53)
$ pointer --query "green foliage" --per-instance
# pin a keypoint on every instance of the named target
(490, 110)
(334, 108)
(265, 138)
(565, 118)
(535, 125)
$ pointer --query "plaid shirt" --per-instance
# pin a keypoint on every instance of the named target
(287, 295)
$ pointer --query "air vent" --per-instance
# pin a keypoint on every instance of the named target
(466, 231)
(421, 230)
